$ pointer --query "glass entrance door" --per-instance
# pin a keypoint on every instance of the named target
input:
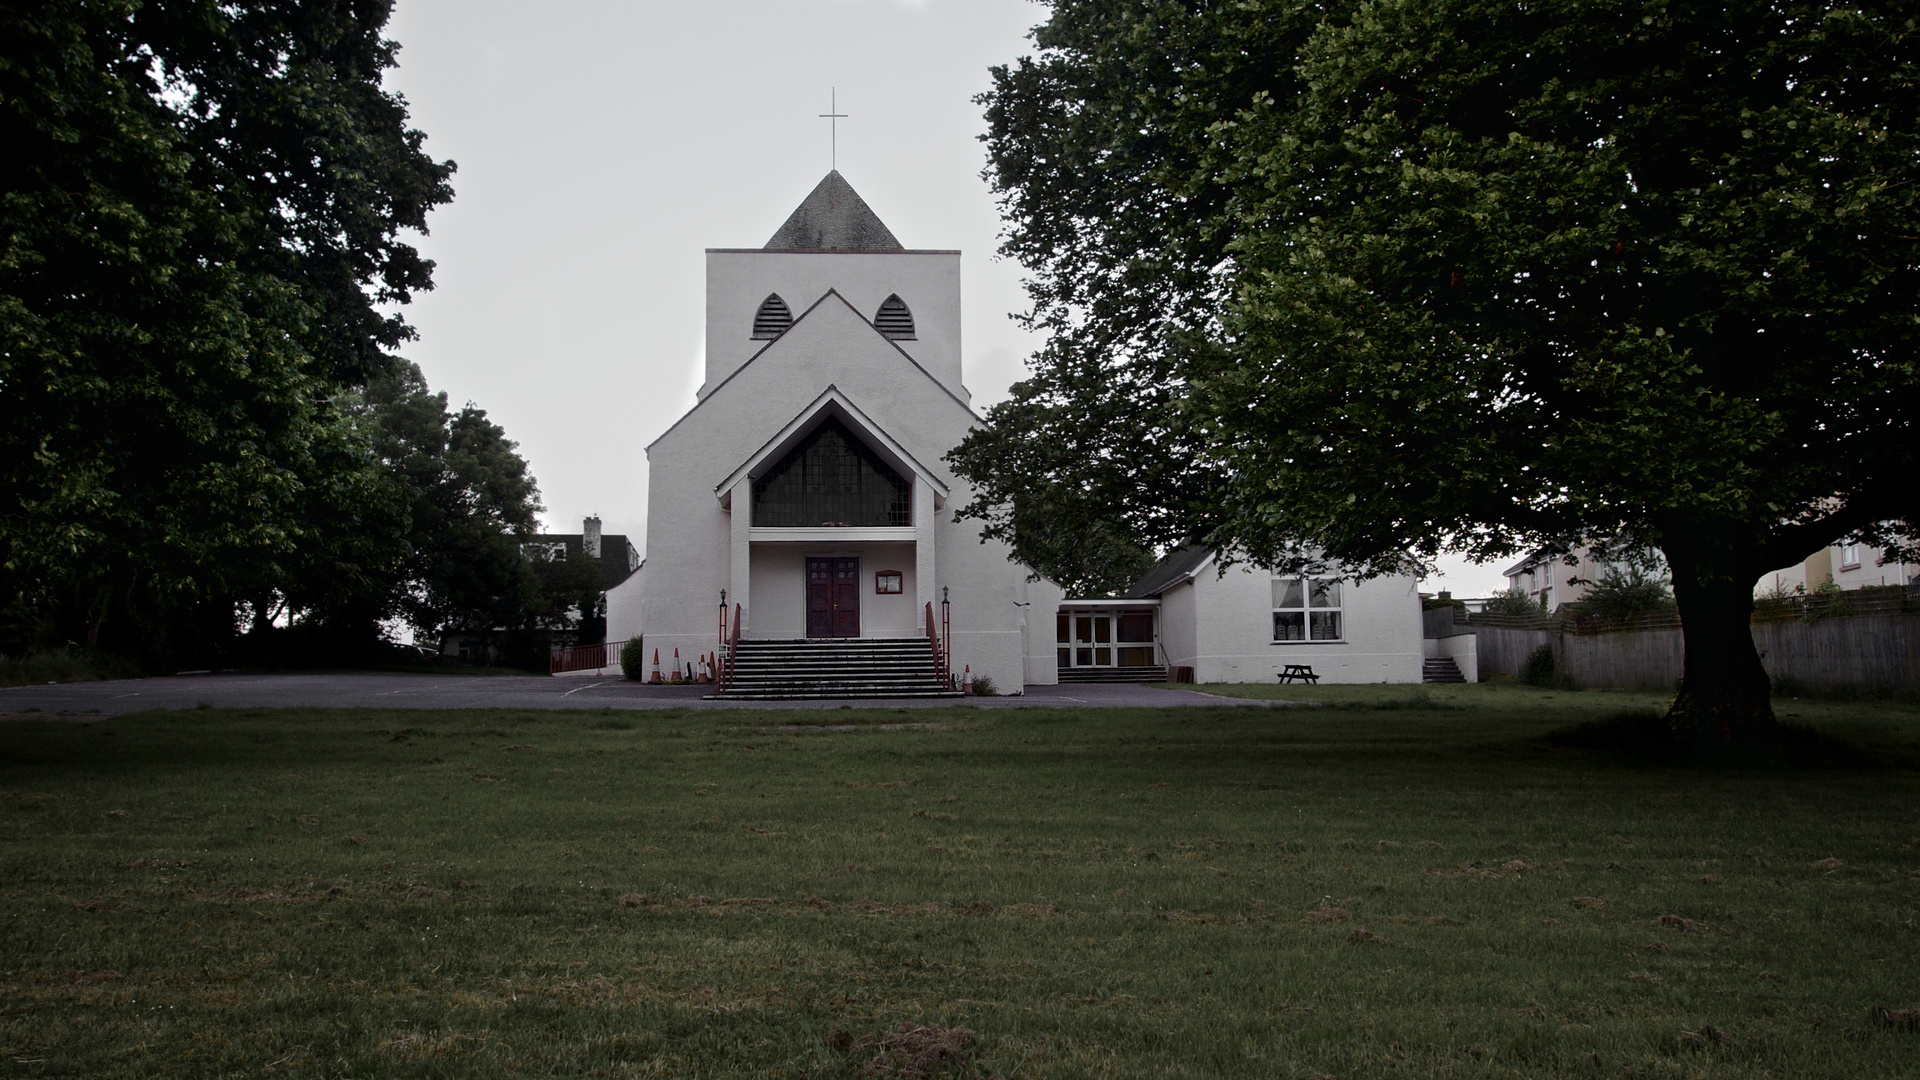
(1104, 639)
(1085, 640)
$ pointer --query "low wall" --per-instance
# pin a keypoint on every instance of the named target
(1864, 651)
(1461, 647)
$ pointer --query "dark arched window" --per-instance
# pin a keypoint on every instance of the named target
(831, 479)
(772, 319)
(894, 320)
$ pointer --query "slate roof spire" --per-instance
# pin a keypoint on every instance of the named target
(834, 218)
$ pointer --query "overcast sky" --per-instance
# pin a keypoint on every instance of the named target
(603, 145)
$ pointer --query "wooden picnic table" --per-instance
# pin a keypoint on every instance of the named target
(1298, 673)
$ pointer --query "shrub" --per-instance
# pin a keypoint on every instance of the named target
(1620, 593)
(983, 687)
(62, 665)
(633, 660)
(1538, 669)
(1514, 601)
(1836, 600)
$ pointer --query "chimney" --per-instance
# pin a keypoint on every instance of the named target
(590, 537)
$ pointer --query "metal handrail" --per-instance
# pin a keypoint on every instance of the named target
(933, 640)
(582, 657)
(733, 651)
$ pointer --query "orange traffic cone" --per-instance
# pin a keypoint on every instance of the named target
(676, 664)
(656, 667)
(966, 680)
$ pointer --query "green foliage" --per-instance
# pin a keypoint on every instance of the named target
(1361, 282)
(1834, 600)
(1538, 669)
(633, 660)
(470, 504)
(202, 207)
(1628, 591)
(61, 665)
(1514, 601)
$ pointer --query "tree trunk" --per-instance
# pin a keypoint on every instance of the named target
(1723, 714)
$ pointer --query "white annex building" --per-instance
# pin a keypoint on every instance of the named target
(809, 483)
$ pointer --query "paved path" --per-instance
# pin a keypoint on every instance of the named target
(396, 691)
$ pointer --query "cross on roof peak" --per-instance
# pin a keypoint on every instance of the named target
(833, 116)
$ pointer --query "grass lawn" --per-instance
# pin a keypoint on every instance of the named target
(1406, 883)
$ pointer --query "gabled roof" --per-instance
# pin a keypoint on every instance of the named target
(834, 218)
(1539, 556)
(833, 402)
(830, 294)
(1178, 566)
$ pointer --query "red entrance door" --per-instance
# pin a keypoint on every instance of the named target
(833, 597)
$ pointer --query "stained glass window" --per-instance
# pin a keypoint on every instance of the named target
(831, 479)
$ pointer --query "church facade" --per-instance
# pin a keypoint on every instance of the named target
(809, 483)
(808, 480)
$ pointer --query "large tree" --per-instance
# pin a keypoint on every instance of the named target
(202, 215)
(1356, 283)
(470, 504)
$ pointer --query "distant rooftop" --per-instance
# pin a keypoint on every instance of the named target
(834, 218)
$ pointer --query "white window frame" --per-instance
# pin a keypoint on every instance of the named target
(1317, 602)
(1850, 555)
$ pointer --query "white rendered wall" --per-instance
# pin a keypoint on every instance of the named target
(1233, 631)
(625, 616)
(1178, 633)
(1043, 603)
(1462, 649)
(928, 281)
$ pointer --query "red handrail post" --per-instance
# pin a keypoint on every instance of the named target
(733, 648)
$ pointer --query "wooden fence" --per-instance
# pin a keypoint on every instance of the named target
(1860, 651)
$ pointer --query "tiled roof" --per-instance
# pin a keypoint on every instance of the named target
(1176, 565)
(834, 218)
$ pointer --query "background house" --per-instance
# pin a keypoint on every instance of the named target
(1848, 565)
(617, 561)
(585, 566)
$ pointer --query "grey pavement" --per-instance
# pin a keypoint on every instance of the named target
(353, 690)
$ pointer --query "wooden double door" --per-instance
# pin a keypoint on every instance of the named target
(833, 596)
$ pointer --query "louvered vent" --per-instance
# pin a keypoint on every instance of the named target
(772, 319)
(894, 320)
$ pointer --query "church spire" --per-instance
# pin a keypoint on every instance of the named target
(834, 218)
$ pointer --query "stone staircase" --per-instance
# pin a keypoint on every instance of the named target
(1113, 675)
(1440, 669)
(841, 668)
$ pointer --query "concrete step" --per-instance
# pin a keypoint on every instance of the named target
(835, 669)
(1113, 675)
(1441, 669)
(759, 695)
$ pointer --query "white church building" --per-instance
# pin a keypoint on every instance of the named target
(809, 484)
